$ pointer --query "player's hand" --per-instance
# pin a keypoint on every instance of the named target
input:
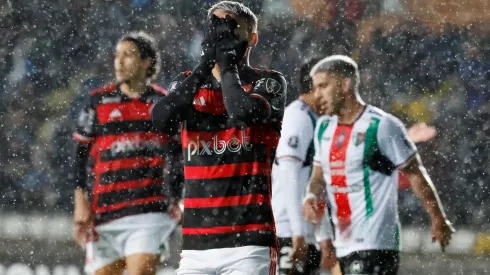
(420, 132)
(230, 49)
(208, 45)
(310, 209)
(84, 220)
(300, 249)
(442, 231)
(329, 259)
(175, 212)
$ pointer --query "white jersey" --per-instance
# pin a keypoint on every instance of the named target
(360, 165)
(292, 169)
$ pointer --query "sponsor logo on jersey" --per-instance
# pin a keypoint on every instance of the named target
(217, 146)
(126, 145)
(347, 189)
(115, 99)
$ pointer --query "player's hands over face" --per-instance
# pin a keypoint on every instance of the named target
(300, 249)
(176, 213)
(442, 231)
(329, 259)
(230, 48)
(208, 45)
(84, 220)
(420, 132)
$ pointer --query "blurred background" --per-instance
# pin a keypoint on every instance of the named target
(423, 60)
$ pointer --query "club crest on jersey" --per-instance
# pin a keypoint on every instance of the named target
(360, 138)
(341, 139)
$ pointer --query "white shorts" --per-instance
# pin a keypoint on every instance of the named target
(246, 260)
(145, 233)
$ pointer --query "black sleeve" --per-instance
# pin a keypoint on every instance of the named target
(174, 180)
(266, 97)
(82, 154)
(170, 110)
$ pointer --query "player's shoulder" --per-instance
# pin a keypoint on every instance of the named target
(269, 73)
(386, 120)
(104, 90)
(298, 113)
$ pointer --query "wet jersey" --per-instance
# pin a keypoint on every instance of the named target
(295, 145)
(227, 165)
(360, 165)
(128, 153)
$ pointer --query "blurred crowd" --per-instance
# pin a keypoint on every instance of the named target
(54, 52)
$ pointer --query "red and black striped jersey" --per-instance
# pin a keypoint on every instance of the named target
(127, 151)
(227, 165)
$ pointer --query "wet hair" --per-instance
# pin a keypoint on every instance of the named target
(305, 82)
(339, 65)
(148, 49)
(238, 9)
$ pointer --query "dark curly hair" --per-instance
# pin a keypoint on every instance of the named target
(148, 49)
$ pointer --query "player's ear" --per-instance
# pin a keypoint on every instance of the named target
(254, 39)
(348, 85)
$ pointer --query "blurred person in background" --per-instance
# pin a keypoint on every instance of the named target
(121, 219)
(298, 253)
(358, 153)
(231, 116)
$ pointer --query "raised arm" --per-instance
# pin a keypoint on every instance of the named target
(257, 105)
(170, 110)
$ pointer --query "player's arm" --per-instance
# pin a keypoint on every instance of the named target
(324, 236)
(291, 153)
(175, 177)
(396, 145)
(268, 93)
(424, 188)
(170, 110)
(316, 190)
(84, 136)
(257, 105)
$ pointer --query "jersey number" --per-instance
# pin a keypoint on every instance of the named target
(285, 259)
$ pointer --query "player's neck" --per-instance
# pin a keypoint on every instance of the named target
(133, 88)
(353, 108)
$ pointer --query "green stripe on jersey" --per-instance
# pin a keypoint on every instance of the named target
(310, 154)
(370, 147)
(323, 126)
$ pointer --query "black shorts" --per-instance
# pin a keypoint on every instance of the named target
(371, 262)
(309, 267)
